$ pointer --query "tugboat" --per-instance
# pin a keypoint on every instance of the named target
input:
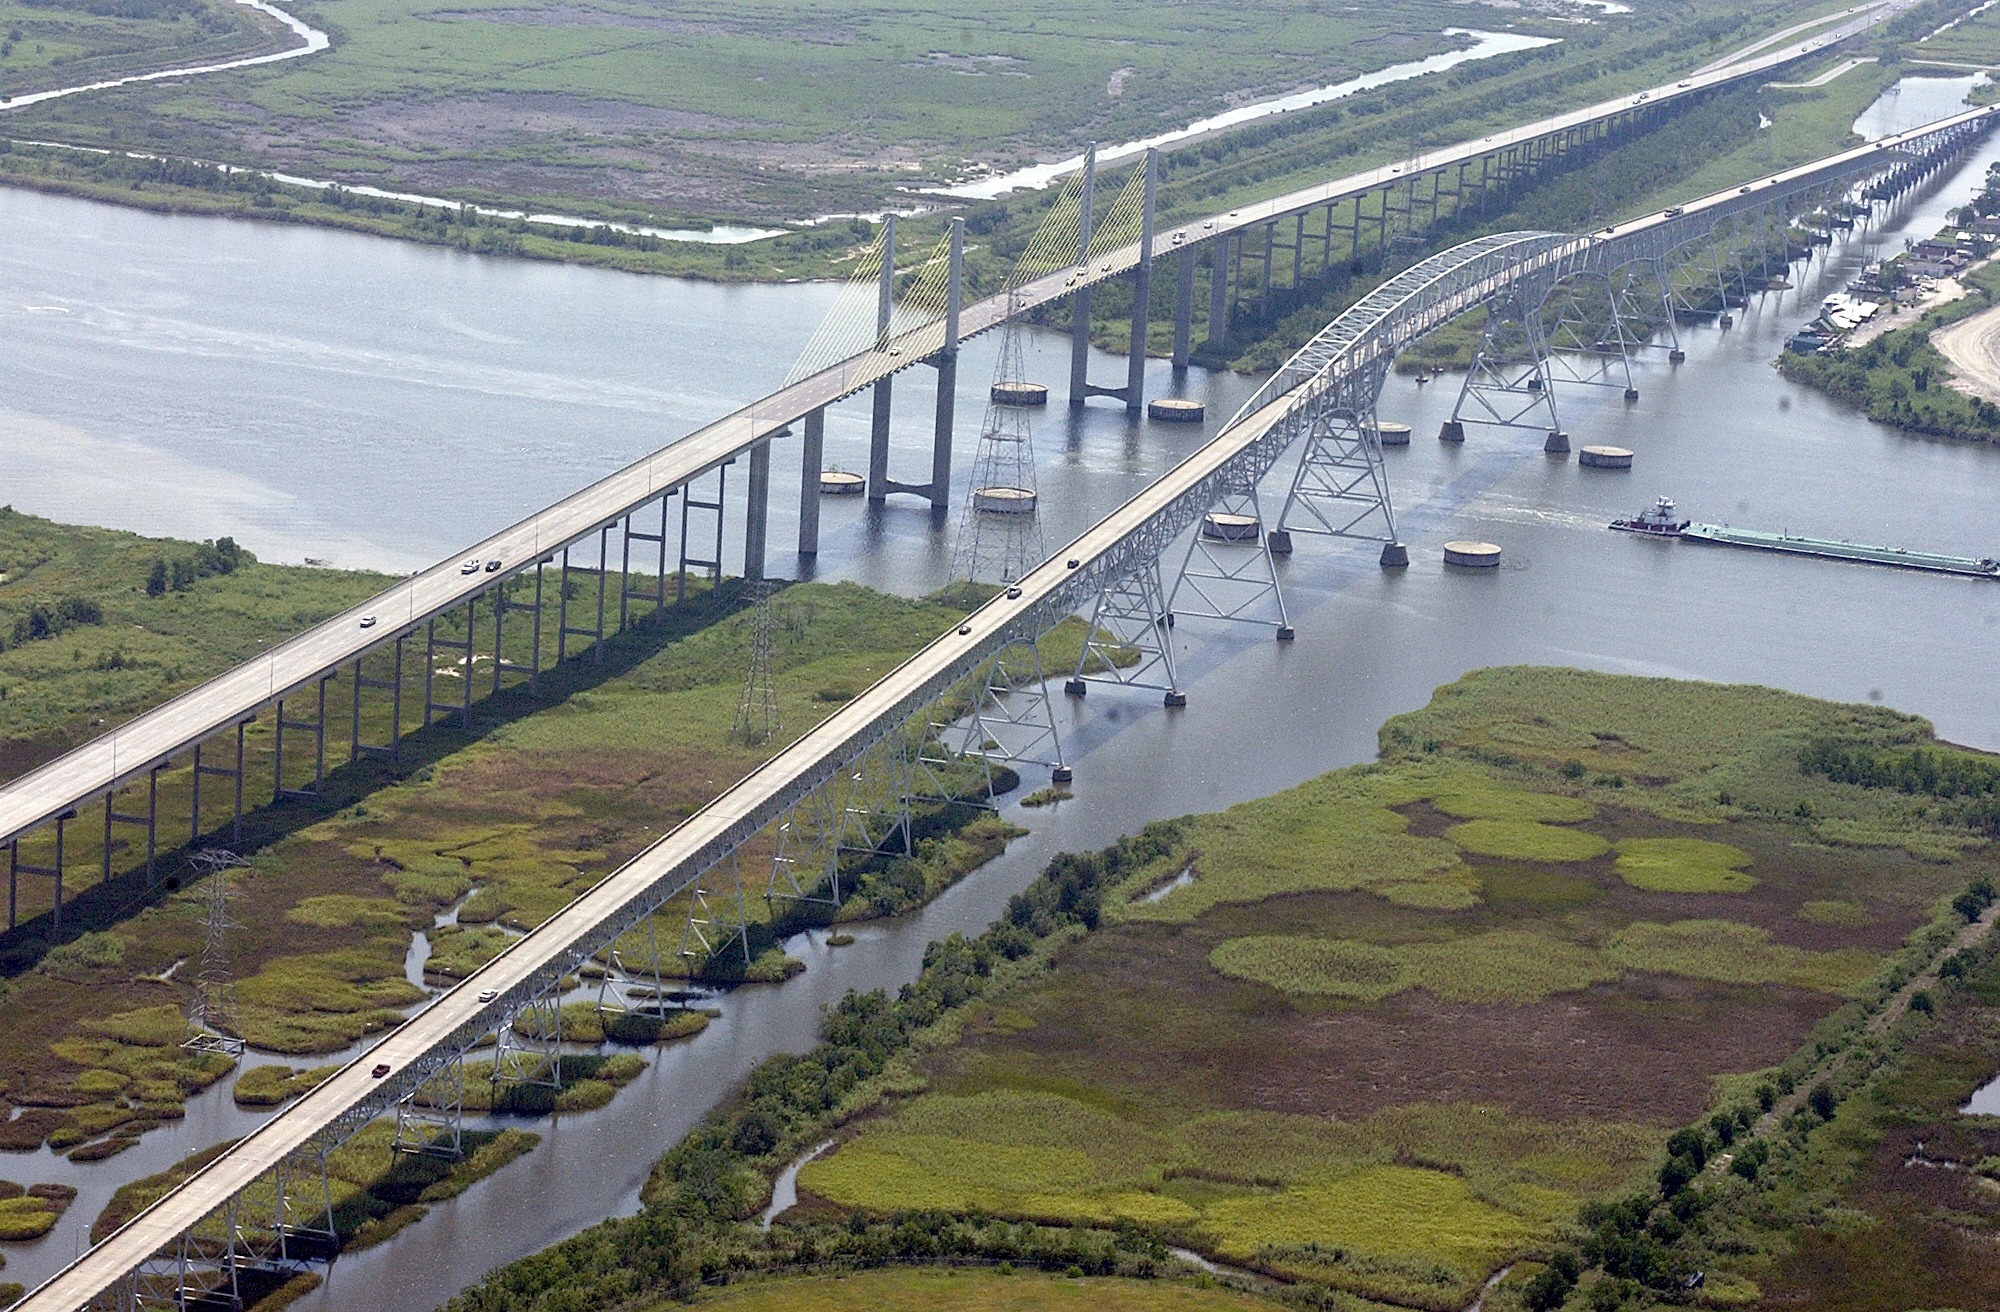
(1659, 522)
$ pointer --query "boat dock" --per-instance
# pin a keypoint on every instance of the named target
(1837, 549)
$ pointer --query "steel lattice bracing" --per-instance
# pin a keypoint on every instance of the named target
(425, 1052)
(151, 740)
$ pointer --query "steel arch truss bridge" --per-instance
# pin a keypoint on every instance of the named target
(936, 725)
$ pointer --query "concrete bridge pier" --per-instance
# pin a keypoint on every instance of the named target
(234, 774)
(1218, 289)
(1079, 326)
(392, 750)
(946, 364)
(1142, 295)
(1183, 308)
(812, 459)
(757, 512)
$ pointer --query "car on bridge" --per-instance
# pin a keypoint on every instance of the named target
(470, 566)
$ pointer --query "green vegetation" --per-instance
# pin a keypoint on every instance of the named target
(587, 1082)
(268, 1086)
(972, 1291)
(1525, 840)
(375, 1190)
(1891, 378)
(52, 43)
(89, 645)
(1505, 965)
(1684, 865)
(1098, 1077)
(30, 1212)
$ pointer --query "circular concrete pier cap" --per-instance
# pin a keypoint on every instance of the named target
(1020, 394)
(1004, 500)
(1175, 410)
(1472, 555)
(840, 483)
(1605, 457)
(1220, 527)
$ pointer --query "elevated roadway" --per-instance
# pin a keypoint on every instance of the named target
(1363, 339)
(93, 771)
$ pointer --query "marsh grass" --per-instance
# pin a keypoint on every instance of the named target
(1683, 865)
(1351, 1202)
(1526, 840)
(976, 1290)
(529, 815)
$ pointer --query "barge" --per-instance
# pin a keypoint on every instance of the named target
(1837, 549)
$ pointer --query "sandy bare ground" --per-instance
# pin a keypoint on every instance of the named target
(1946, 291)
(1973, 347)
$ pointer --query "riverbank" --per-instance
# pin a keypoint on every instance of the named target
(1022, 1103)
(1904, 377)
(352, 909)
(1241, 155)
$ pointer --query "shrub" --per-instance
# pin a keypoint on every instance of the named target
(1822, 1102)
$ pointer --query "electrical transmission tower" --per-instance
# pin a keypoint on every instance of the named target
(757, 716)
(212, 1015)
(1000, 536)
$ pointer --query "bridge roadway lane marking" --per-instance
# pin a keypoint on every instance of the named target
(174, 727)
(751, 798)
(267, 1146)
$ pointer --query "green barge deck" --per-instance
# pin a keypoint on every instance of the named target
(1836, 549)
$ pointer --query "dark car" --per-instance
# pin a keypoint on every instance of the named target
(380, 1070)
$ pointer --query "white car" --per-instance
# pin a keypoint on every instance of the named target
(469, 567)
(367, 621)
(487, 995)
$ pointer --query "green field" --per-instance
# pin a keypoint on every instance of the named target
(783, 110)
(510, 821)
(46, 44)
(1408, 1018)
(972, 1291)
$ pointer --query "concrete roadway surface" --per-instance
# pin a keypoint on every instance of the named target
(151, 739)
(297, 662)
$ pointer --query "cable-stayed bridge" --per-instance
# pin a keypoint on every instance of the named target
(252, 1206)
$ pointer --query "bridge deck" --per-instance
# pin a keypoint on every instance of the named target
(175, 726)
(680, 855)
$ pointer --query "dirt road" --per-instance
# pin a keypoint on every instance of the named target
(1973, 347)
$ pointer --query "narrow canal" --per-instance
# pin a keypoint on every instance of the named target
(317, 393)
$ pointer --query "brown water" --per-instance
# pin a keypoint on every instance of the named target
(382, 420)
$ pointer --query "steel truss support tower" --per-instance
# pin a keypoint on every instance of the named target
(716, 918)
(529, 1050)
(757, 713)
(1130, 639)
(1012, 717)
(432, 1118)
(1229, 572)
(1000, 535)
(1588, 324)
(1509, 385)
(1341, 488)
(211, 1018)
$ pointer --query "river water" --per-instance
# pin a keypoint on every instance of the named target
(381, 403)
